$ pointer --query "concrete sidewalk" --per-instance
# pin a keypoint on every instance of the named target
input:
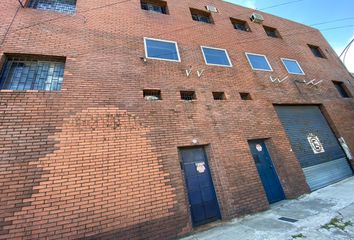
(325, 214)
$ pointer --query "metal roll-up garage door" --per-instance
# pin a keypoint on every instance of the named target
(315, 145)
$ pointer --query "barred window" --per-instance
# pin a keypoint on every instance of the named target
(154, 6)
(63, 6)
(31, 73)
(188, 95)
(201, 16)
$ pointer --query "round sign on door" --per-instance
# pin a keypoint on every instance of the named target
(259, 147)
(200, 167)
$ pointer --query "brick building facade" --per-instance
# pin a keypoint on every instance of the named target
(95, 159)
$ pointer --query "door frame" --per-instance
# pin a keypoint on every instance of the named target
(206, 150)
(266, 142)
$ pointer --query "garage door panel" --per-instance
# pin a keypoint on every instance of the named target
(321, 175)
(299, 122)
(324, 161)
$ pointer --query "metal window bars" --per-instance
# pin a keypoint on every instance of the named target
(63, 6)
(32, 74)
(152, 94)
(219, 96)
(154, 7)
(188, 95)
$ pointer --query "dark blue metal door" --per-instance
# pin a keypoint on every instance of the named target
(204, 206)
(267, 173)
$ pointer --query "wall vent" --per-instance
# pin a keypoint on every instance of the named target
(257, 18)
(211, 8)
(152, 94)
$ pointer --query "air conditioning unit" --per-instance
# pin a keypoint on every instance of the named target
(257, 18)
(211, 8)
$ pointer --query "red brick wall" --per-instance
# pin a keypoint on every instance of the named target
(96, 160)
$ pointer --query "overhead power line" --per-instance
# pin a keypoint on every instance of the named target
(346, 50)
(65, 15)
(124, 1)
(281, 4)
(239, 42)
(195, 25)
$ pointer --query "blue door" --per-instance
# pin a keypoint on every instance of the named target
(267, 173)
(203, 203)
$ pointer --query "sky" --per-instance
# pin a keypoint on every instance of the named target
(311, 12)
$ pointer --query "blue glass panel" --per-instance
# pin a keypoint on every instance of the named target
(63, 6)
(259, 62)
(216, 56)
(292, 66)
(32, 75)
(161, 50)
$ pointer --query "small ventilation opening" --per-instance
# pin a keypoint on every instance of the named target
(201, 16)
(152, 94)
(245, 96)
(188, 95)
(317, 52)
(154, 6)
(271, 32)
(240, 25)
(342, 89)
(219, 96)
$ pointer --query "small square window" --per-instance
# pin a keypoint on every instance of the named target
(32, 72)
(152, 94)
(271, 32)
(245, 96)
(259, 62)
(216, 56)
(188, 95)
(292, 66)
(342, 89)
(219, 96)
(201, 16)
(161, 50)
(63, 6)
(240, 25)
(316, 51)
(154, 6)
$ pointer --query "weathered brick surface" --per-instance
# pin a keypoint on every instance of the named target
(96, 160)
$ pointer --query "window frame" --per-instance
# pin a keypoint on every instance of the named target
(344, 88)
(28, 4)
(32, 58)
(259, 69)
(275, 30)
(162, 59)
(219, 96)
(163, 5)
(239, 21)
(314, 47)
(203, 13)
(192, 93)
(150, 92)
(213, 64)
(298, 64)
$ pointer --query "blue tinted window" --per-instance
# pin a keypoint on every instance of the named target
(216, 57)
(64, 6)
(161, 50)
(292, 66)
(259, 62)
(32, 74)
(158, 7)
